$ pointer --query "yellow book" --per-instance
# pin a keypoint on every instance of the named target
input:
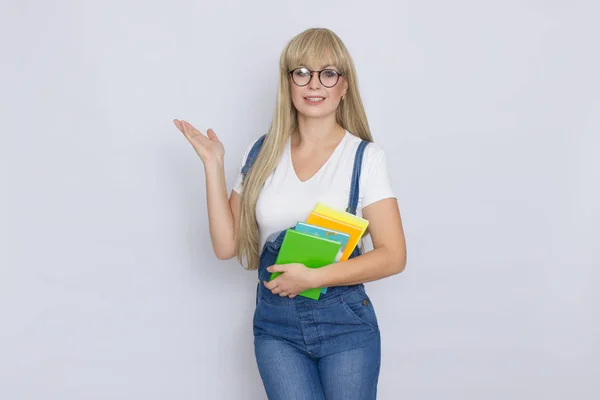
(343, 216)
(330, 223)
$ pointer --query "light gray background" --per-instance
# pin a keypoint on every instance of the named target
(490, 114)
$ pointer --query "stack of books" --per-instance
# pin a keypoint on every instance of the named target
(328, 235)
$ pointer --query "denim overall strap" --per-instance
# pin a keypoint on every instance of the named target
(253, 154)
(354, 187)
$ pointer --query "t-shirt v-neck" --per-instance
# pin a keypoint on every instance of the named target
(284, 199)
(331, 159)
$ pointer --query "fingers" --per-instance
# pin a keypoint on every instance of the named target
(275, 289)
(189, 131)
(181, 126)
(178, 124)
(277, 268)
(212, 135)
(283, 293)
(279, 291)
(286, 294)
(270, 284)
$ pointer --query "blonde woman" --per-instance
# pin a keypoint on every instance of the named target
(318, 148)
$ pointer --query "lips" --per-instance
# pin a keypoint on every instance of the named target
(314, 98)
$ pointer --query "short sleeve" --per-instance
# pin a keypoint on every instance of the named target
(375, 182)
(237, 186)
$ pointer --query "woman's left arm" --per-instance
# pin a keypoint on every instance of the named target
(387, 258)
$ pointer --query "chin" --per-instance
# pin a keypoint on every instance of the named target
(314, 112)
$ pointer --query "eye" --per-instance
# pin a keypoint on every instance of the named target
(329, 73)
(301, 72)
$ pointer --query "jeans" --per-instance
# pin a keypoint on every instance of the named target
(315, 349)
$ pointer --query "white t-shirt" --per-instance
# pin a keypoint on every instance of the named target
(285, 200)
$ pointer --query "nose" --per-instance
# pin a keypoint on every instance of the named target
(314, 83)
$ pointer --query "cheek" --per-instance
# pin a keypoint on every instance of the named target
(337, 91)
(335, 95)
(296, 94)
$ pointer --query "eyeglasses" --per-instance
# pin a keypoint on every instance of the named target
(302, 76)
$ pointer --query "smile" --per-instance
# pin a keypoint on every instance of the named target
(314, 99)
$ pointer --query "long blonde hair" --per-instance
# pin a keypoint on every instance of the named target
(314, 44)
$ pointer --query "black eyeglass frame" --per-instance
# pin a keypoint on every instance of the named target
(312, 74)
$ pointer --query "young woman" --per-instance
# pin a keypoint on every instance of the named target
(318, 149)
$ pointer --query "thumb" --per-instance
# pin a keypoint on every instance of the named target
(276, 268)
(212, 135)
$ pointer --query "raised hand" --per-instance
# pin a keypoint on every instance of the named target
(208, 147)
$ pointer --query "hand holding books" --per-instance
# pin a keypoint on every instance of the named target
(328, 235)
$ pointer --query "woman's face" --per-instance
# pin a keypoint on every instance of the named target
(315, 99)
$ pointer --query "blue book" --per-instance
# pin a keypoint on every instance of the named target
(325, 233)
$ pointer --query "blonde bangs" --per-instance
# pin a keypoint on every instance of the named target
(318, 48)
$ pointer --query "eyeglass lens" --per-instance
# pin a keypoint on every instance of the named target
(302, 76)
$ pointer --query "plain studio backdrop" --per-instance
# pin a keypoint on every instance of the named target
(490, 116)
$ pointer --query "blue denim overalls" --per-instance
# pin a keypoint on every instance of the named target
(316, 349)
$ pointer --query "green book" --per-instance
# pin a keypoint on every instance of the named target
(310, 250)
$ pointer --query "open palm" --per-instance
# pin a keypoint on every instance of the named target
(208, 147)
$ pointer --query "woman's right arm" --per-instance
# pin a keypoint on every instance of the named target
(223, 213)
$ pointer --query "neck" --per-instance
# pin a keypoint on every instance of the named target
(317, 131)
